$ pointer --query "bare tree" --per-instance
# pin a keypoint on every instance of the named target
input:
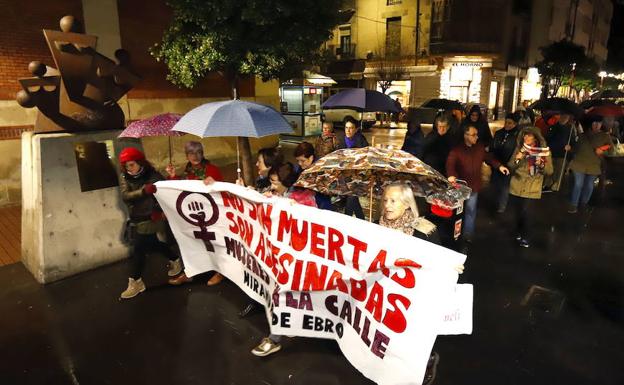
(387, 71)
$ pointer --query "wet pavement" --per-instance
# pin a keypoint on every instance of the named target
(569, 330)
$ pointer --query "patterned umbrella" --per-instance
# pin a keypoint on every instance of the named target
(158, 125)
(365, 171)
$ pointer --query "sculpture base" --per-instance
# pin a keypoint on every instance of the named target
(66, 231)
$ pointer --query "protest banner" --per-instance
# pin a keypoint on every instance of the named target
(382, 295)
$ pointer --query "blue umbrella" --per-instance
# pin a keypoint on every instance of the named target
(361, 99)
(233, 118)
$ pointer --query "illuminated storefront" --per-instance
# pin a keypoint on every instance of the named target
(300, 103)
(461, 79)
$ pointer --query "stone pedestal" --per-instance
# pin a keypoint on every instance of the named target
(66, 231)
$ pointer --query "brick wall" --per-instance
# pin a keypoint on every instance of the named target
(21, 37)
(142, 23)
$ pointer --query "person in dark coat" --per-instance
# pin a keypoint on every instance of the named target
(353, 139)
(476, 118)
(502, 147)
(267, 157)
(560, 137)
(146, 220)
(439, 143)
(464, 162)
(416, 141)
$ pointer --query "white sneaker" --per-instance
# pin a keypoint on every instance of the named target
(175, 267)
(135, 287)
(265, 348)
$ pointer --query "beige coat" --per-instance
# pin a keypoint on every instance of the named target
(523, 184)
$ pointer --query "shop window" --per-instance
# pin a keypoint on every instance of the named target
(293, 99)
(393, 36)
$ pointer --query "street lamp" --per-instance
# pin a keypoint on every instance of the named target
(602, 75)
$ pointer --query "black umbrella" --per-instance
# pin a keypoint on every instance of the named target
(608, 94)
(443, 104)
(559, 105)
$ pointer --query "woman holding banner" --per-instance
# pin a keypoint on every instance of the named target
(198, 167)
(146, 219)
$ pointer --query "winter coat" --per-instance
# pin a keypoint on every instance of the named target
(325, 145)
(141, 206)
(522, 183)
(465, 163)
(503, 144)
(416, 142)
(359, 141)
(436, 149)
(557, 137)
(585, 159)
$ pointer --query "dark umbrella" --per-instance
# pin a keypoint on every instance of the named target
(362, 100)
(607, 111)
(587, 104)
(608, 94)
(560, 105)
(443, 104)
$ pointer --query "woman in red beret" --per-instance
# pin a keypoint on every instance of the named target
(146, 220)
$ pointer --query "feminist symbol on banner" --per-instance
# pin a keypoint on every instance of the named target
(194, 209)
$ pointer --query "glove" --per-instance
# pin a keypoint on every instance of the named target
(157, 216)
(149, 188)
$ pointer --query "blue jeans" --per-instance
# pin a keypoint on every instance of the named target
(470, 215)
(583, 188)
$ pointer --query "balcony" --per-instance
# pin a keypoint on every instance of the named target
(344, 51)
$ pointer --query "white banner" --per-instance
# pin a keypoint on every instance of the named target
(383, 295)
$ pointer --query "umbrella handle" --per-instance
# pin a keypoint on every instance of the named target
(169, 148)
(238, 169)
(370, 203)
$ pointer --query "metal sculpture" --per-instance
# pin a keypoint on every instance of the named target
(81, 93)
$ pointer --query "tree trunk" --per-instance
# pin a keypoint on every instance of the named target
(242, 142)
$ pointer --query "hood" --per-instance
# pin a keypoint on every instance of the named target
(533, 130)
(475, 108)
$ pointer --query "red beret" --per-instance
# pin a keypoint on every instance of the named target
(130, 153)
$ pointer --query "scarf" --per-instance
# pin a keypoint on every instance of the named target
(196, 172)
(532, 154)
(407, 223)
(350, 141)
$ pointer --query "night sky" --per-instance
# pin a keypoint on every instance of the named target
(615, 61)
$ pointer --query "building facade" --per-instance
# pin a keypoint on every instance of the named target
(584, 22)
(473, 51)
